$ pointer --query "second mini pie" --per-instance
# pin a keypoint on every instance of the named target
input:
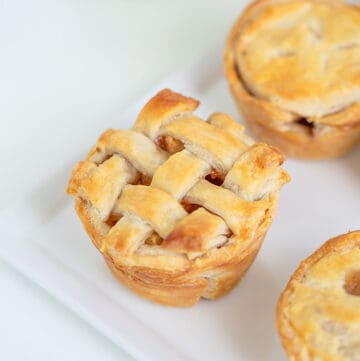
(178, 206)
(294, 70)
(318, 314)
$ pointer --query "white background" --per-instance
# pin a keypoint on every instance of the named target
(70, 63)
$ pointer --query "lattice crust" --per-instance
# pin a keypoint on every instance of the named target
(150, 198)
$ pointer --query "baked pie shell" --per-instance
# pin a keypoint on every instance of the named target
(294, 343)
(181, 268)
(340, 131)
(183, 289)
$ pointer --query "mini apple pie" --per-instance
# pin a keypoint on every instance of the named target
(294, 70)
(318, 314)
(178, 206)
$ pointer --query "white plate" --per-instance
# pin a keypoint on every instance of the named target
(45, 241)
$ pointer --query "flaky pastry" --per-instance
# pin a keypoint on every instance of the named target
(178, 206)
(294, 71)
(318, 314)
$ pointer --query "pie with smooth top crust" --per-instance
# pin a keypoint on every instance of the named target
(178, 206)
(318, 314)
(293, 68)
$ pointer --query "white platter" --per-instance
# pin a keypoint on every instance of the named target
(42, 237)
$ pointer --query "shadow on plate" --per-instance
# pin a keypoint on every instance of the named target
(48, 200)
(250, 320)
(351, 162)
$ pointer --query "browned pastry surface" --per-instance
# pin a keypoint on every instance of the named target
(293, 68)
(318, 313)
(178, 206)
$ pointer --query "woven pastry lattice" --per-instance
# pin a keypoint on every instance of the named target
(175, 188)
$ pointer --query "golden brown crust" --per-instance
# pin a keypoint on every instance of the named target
(302, 143)
(164, 225)
(183, 293)
(300, 133)
(185, 236)
(318, 313)
(164, 106)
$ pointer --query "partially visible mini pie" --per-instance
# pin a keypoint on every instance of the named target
(294, 70)
(178, 206)
(318, 314)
